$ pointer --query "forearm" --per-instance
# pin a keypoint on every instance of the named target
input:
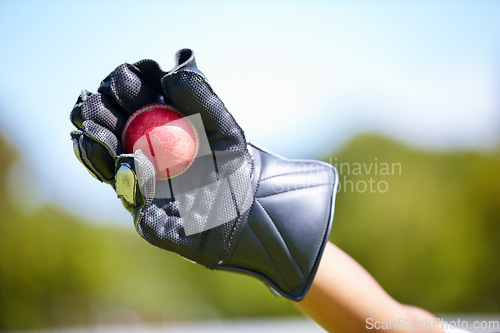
(344, 296)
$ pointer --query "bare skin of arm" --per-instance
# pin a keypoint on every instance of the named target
(344, 295)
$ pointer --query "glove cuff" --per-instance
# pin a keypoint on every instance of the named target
(283, 235)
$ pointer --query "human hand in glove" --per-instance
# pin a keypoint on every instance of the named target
(238, 207)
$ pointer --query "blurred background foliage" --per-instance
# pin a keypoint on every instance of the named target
(424, 72)
(431, 239)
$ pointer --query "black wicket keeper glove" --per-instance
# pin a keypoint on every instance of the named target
(238, 207)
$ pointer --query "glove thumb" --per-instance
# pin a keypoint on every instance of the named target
(134, 181)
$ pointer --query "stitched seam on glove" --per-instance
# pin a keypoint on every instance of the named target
(239, 225)
(274, 263)
(294, 189)
(283, 239)
(325, 224)
(288, 174)
(184, 70)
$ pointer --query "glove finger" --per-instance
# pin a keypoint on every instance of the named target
(104, 136)
(151, 73)
(184, 58)
(97, 148)
(99, 109)
(78, 138)
(127, 86)
(191, 93)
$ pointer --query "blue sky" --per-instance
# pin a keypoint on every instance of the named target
(300, 77)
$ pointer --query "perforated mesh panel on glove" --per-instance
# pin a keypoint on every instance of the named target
(237, 207)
